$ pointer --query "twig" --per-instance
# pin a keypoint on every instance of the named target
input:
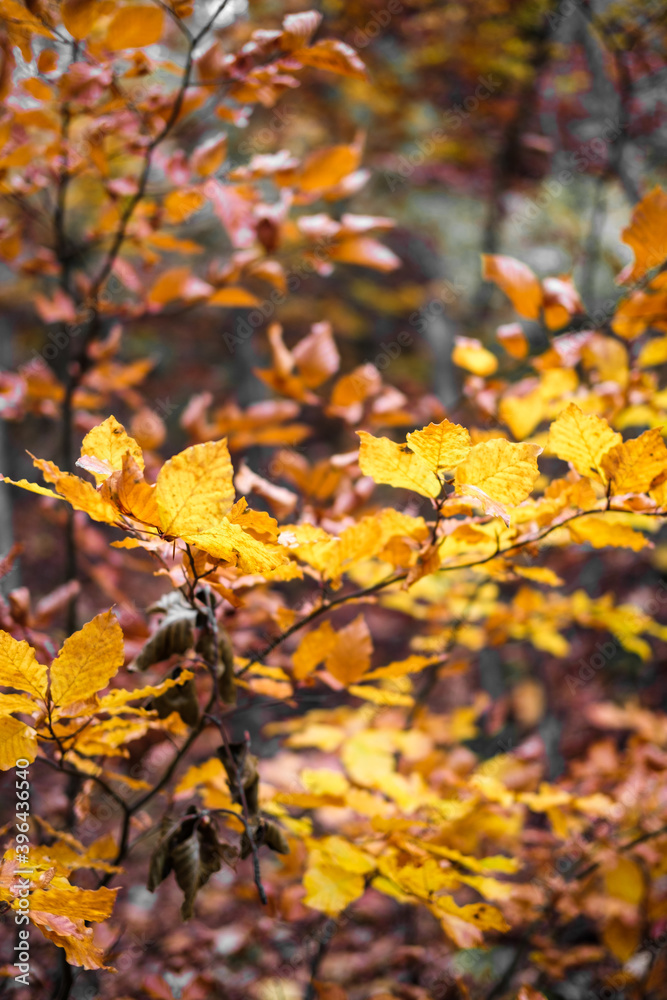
(326, 937)
(356, 595)
(432, 671)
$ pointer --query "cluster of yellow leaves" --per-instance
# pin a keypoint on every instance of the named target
(496, 473)
(192, 499)
(60, 910)
(64, 703)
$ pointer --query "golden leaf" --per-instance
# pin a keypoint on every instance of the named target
(19, 668)
(32, 487)
(441, 446)
(194, 489)
(646, 235)
(80, 494)
(234, 297)
(109, 442)
(582, 439)
(637, 465)
(471, 355)
(330, 888)
(16, 741)
(505, 472)
(602, 531)
(88, 660)
(516, 280)
(325, 168)
(387, 462)
(81, 16)
(134, 27)
(313, 649)
(209, 157)
(229, 542)
(131, 494)
(333, 55)
(74, 902)
(350, 657)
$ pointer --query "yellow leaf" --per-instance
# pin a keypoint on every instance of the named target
(522, 414)
(194, 490)
(625, 881)
(109, 442)
(341, 852)
(10, 703)
(80, 494)
(387, 462)
(602, 531)
(117, 700)
(654, 352)
(401, 668)
(32, 487)
(74, 902)
(471, 354)
(320, 735)
(495, 863)
(80, 950)
(516, 280)
(19, 668)
(540, 574)
(134, 27)
(16, 741)
(313, 649)
(330, 888)
(623, 941)
(229, 542)
(481, 916)
(350, 657)
(129, 492)
(380, 696)
(505, 472)
(441, 446)
(88, 660)
(582, 439)
(324, 782)
(637, 465)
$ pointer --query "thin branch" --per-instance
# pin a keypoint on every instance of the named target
(356, 595)
(326, 938)
(641, 839)
(433, 670)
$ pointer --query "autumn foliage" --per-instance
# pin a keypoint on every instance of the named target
(255, 691)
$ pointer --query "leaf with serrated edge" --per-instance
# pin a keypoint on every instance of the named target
(441, 446)
(87, 661)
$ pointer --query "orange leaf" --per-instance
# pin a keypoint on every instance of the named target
(367, 252)
(517, 282)
(134, 27)
(327, 167)
(209, 157)
(178, 283)
(334, 56)
(234, 297)
(81, 16)
(646, 235)
(316, 355)
(350, 658)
